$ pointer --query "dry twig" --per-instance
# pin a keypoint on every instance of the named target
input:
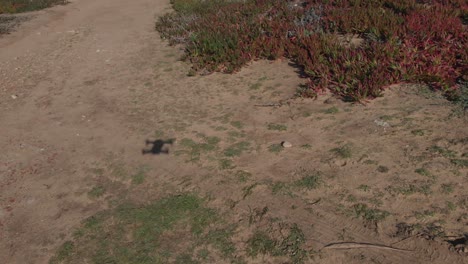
(353, 245)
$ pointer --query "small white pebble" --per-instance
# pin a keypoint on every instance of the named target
(381, 123)
(286, 144)
(14, 96)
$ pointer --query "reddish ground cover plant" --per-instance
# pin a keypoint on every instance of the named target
(403, 40)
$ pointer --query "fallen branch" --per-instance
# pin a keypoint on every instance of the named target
(353, 245)
(269, 105)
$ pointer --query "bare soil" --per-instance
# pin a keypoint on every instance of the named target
(84, 86)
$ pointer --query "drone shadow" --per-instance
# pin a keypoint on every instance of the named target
(158, 147)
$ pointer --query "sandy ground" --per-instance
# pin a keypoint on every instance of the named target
(83, 86)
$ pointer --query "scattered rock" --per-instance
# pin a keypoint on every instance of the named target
(381, 123)
(460, 244)
(331, 100)
(13, 96)
(286, 144)
(341, 163)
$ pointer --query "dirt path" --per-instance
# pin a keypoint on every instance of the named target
(71, 68)
(82, 87)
